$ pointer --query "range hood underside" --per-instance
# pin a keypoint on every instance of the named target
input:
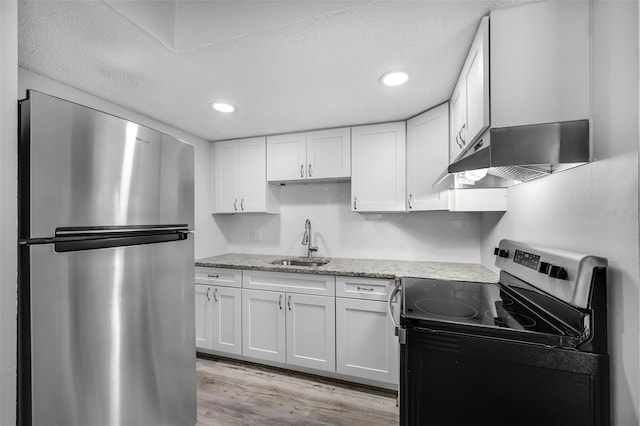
(523, 153)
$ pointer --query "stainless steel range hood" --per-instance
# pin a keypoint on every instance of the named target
(527, 152)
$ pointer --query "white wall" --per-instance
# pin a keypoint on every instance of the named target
(594, 208)
(434, 236)
(8, 209)
(208, 240)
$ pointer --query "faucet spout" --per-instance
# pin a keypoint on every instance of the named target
(306, 238)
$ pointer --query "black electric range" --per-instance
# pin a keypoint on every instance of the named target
(529, 349)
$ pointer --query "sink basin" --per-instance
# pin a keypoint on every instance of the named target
(311, 263)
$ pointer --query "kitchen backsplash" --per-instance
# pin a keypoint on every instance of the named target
(338, 232)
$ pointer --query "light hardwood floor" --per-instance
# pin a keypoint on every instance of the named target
(235, 393)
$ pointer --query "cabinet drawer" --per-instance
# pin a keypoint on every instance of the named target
(219, 276)
(364, 288)
(290, 282)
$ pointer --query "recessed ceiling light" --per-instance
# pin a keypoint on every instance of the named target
(394, 78)
(222, 107)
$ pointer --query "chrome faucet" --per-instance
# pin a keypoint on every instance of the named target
(306, 238)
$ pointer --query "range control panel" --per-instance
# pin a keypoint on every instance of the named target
(531, 261)
(566, 275)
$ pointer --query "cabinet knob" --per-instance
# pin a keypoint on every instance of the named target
(215, 295)
(301, 170)
(242, 204)
(409, 201)
(289, 302)
(280, 302)
(355, 203)
(310, 174)
(235, 204)
(208, 293)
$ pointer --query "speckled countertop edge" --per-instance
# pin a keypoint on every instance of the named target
(367, 268)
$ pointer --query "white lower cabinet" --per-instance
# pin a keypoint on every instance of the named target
(366, 345)
(227, 320)
(296, 320)
(311, 331)
(204, 317)
(219, 310)
(263, 329)
(298, 329)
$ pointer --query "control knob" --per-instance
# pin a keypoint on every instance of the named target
(557, 272)
(544, 267)
(500, 252)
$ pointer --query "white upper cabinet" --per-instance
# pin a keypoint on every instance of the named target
(427, 157)
(470, 98)
(329, 154)
(287, 157)
(456, 124)
(378, 182)
(240, 184)
(226, 157)
(323, 154)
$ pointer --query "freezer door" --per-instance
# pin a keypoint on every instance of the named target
(112, 335)
(80, 167)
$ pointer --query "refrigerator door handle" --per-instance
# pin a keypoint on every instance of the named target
(109, 230)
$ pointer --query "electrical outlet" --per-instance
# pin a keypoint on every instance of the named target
(255, 235)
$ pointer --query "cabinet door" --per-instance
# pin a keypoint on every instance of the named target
(263, 325)
(252, 176)
(227, 320)
(378, 168)
(365, 342)
(204, 317)
(311, 337)
(287, 157)
(476, 76)
(427, 158)
(225, 176)
(457, 109)
(329, 154)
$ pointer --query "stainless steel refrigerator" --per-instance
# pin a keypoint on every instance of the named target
(106, 294)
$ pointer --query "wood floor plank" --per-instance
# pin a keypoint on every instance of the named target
(235, 393)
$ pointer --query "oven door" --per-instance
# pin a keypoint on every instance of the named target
(451, 378)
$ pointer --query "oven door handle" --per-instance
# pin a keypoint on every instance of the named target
(400, 332)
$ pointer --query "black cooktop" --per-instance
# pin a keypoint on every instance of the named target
(490, 309)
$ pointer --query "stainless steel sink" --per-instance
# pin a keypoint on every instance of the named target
(311, 263)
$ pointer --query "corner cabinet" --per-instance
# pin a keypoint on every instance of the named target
(240, 183)
(427, 156)
(378, 159)
(469, 104)
(218, 309)
(323, 154)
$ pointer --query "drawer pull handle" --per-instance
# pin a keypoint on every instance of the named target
(215, 295)
(280, 302)
(289, 303)
(213, 276)
(364, 289)
(209, 293)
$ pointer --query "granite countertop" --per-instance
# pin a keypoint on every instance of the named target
(371, 268)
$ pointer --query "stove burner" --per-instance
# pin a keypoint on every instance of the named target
(510, 319)
(446, 308)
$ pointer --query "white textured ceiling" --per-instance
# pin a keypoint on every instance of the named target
(315, 72)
